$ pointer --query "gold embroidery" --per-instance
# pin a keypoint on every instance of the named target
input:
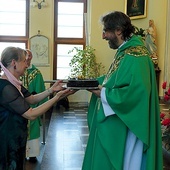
(137, 51)
(113, 67)
(28, 78)
(32, 76)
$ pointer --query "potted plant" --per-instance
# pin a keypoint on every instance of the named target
(84, 65)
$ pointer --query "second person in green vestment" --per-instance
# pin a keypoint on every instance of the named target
(34, 82)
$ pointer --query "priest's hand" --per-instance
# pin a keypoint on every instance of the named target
(97, 92)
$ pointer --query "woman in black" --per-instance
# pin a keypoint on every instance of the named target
(15, 108)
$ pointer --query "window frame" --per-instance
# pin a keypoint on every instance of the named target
(19, 39)
(60, 40)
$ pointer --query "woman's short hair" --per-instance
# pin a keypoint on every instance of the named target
(12, 53)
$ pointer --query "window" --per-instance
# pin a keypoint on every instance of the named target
(13, 23)
(69, 33)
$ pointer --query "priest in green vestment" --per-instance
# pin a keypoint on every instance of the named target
(124, 114)
(34, 82)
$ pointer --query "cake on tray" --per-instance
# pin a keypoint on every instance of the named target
(86, 83)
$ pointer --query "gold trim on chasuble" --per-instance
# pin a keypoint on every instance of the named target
(137, 51)
(113, 67)
(29, 78)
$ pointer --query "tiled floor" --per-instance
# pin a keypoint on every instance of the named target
(66, 140)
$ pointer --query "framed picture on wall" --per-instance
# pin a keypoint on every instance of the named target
(39, 48)
(136, 9)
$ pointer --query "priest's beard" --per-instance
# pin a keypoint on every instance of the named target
(113, 43)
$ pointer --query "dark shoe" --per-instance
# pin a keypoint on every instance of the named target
(33, 159)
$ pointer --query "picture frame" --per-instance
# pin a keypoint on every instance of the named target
(39, 46)
(136, 9)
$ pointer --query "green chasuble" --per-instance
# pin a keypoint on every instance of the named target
(131, 92)
(33, 81)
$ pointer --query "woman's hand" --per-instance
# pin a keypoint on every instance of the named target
(57, 86)
(64, 93)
